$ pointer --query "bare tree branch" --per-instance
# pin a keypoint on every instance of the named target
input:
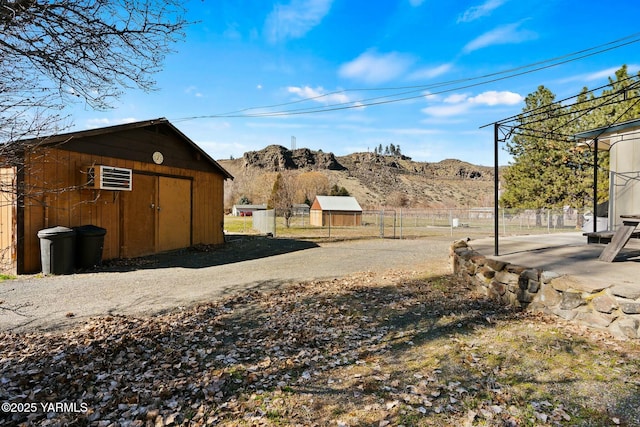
(53, 53)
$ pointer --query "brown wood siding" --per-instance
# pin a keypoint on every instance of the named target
(7, 220)
(139, 145)
(321, 218)
(138, 237)
(174, 213)
(208, 209)
(315, 217)
(55, 196)
(342, 218)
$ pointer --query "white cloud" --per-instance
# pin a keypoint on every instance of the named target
(446, 110)
(599, 75)
(104, 122)
(611, 72)
(507, 34)
(318, 95)
(456, 98)
(430, 73)
(459, 103)
(232, 32)
(493, 97)
(416, 3)
(294, 20)
(603, 74)
(432, 96)
(480, 11)
(372, 67)
(193, 90)
(98, 123)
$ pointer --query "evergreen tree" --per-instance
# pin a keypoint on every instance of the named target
(338, 191)
(549, 170)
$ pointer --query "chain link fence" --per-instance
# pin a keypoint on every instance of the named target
(413, 223)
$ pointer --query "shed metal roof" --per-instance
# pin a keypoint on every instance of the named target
(338, 203)
(248, 206)
(608, 136)
(608, 130)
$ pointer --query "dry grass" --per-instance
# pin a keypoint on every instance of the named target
(399, 348)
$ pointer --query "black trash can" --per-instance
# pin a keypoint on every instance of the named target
(57, 250)
(89, 244)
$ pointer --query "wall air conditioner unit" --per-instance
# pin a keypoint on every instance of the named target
(109, 178)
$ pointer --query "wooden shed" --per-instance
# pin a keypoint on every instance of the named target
(335, 211)
(146, 183)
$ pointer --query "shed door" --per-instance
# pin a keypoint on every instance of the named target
(139, 217)
(174, 213)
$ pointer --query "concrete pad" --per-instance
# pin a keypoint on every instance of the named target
(566, 254)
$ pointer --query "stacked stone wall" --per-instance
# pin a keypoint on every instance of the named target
(614, 308)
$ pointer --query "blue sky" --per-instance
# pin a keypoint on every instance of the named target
(270, 62)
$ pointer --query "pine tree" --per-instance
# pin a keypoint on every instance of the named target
(549, 170)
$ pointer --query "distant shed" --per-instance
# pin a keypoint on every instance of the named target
(300, 209)
(247, 210)
(146, 183)
(335, 211)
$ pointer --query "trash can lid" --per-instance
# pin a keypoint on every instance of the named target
(90, 230)
(58, 231)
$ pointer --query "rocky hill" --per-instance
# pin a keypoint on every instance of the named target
(375, 180)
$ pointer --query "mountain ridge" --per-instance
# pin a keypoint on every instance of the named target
(376, 180)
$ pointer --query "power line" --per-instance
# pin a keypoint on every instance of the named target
(553, 135)
(559, 105)
(544, 111)
(406, 90)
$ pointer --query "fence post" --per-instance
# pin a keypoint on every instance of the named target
(451, 221)
(548, 219)
(394, 223)
(275, 223)
(504, 224)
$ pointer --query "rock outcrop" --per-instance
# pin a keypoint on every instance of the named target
(275, 158)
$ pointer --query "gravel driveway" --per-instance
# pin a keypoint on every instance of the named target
(152, 285)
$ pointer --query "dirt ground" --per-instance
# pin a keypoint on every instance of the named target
(179, 279)
(409, 345)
